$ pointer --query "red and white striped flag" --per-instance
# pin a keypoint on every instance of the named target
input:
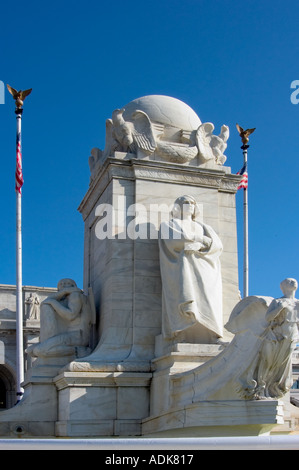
(19, 172)
(244, 181)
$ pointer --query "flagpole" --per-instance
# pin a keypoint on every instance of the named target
(245, 231)
(19, 281)
(19, 97)
(244, 134)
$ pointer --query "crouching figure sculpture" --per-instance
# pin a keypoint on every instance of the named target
(66, 318)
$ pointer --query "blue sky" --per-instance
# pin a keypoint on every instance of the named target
(230, 61)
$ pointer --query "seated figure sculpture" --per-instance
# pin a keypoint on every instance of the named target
(191, 276)
(65, 321)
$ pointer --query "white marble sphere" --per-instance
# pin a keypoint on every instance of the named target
(165, 110)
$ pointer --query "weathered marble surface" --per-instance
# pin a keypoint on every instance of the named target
(216, 418)
(102, 403)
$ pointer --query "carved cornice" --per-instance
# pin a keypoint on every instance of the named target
(103, 378)
(135, 169)
(41, 290)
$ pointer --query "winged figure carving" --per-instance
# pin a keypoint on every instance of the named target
(19, 96)
(257, 363)
(210, 146)
(219, 145)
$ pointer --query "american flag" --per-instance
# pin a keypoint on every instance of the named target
(19, 173)
(244, 181)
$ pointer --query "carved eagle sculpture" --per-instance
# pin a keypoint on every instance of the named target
(130, 136)
(244, 134)
(19, 96)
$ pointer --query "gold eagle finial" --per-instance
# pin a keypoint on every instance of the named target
(244, 134)
(19, 96)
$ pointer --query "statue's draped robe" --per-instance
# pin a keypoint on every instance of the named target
(275, 368)
(191, 281)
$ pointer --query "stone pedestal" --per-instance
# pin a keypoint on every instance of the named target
(174, 358)
(35, 415)
(101, 403)
(124, 273)
(168, 417)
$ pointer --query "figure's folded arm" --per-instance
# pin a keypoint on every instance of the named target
(74, 306)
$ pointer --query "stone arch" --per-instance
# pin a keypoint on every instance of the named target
(7, 388)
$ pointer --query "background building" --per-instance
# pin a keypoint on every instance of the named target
(32, 298)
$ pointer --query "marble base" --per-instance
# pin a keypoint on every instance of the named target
(101, 403)
(216, 418)
(175, 358)
(35, 415)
